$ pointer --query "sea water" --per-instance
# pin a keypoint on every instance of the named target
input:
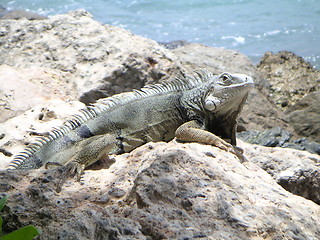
(251, 26)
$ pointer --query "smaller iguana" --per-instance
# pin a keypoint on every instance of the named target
(202, 108)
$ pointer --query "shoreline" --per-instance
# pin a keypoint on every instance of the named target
(161, 190)
(255, 58)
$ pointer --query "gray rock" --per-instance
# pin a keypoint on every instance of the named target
(304, 116)
(174, 44)
(169, 191)
(275, 137)
(278, 137)
(20, 14)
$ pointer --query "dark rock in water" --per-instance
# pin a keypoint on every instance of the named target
(304, 144)
(274, 137)
(2, 10)
(174, 44)
(19, 14)
(278, 137)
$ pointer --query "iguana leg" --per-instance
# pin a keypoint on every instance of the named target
(193, 131)
(89, 151)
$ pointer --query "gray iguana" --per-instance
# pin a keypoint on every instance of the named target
(201, 108)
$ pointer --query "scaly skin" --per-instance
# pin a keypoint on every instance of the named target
(202, 108)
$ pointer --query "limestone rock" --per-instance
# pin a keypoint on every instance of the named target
(19, 14)
(102, 59)
(165, 191)
(19, 131)
(297, 171)
(23, 88)
(290, 77)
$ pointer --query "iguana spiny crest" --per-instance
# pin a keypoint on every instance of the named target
(200, 108)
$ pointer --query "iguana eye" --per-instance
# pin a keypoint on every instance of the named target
(225, 77)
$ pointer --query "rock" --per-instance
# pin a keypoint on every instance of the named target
(261, 114)
(32, 86)
(278, 137)
(217, 60)
(20, 14)
(290, 77)
(304, 144)
(174, 44)
(102, 59)
(165, 191)
(296, 171)
(270, 138)
(304, 116)
(19, 131)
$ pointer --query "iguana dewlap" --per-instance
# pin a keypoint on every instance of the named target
(202, 108)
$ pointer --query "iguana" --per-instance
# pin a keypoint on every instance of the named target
(201, 108)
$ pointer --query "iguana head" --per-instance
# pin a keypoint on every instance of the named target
(227, 92)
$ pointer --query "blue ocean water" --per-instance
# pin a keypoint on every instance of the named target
(251, 26)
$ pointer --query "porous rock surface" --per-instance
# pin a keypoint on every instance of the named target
(160, 190)
(294, 87)
(290, 77)
(102, 60)
(165, 191)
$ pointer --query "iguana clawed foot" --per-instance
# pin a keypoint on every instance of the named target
(193, 131)
(69, 170)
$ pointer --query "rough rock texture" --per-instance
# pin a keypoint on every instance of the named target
(290, 77)
(296, 171)
(278, 137)
(19, 14)
(160, 190)
(21, 130)
(304, 116)
(22, 88)
(102, 59)
(294, 87)
(166, 191)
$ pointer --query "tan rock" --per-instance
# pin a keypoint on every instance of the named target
(102, 59)
(23, 88)
(165, 191)
(290, 77)
(19, 131)
(217, 60)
